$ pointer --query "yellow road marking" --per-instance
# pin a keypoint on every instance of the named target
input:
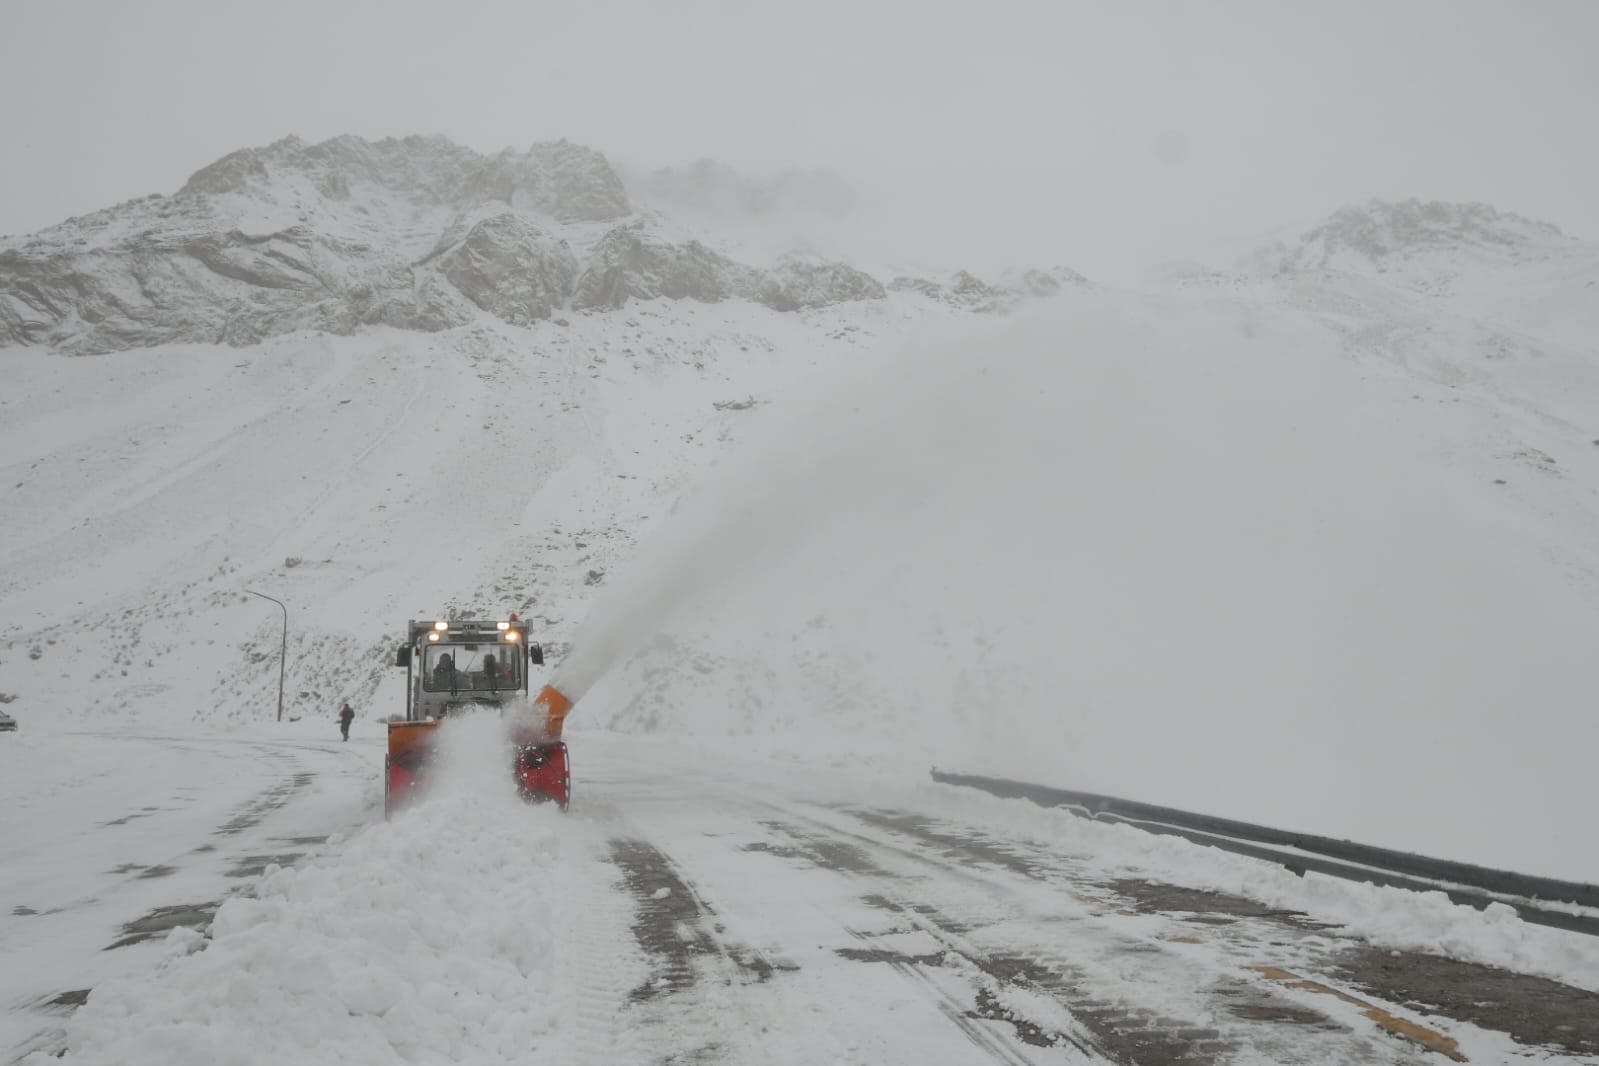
(1419, 1034)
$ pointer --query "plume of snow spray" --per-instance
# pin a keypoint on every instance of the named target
(472, 759)
(1173, 551)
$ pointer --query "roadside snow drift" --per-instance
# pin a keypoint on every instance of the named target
(426, 939)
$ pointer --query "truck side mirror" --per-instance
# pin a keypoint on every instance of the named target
(403, 656)
(535, 652)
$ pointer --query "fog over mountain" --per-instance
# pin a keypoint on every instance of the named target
(1105, 137)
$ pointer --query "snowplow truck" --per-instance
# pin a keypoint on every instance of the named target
(455, 666)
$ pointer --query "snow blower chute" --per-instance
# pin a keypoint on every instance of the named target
(455, 666)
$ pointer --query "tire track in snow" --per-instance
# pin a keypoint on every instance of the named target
(706, 985)
(599, 971)
(674, 926)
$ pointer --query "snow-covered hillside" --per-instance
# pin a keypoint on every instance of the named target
(1313, 546)
(364, 480)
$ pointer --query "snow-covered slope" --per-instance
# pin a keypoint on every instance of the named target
(364, 480)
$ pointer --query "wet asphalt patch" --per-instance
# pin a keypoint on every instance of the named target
(989, 1008)
(966, 848)
(254, 865)
(826, 852)
(145, 872)
(161, 919)
(1532, 1010)
(1205, 907)
(72, 1000)
(251, 814)
(896, 958)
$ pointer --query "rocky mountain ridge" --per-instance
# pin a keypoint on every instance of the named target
(416, 233)
(1379, 230)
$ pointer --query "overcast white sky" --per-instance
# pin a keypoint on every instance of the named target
(1103, 132)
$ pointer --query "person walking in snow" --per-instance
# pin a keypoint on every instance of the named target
(346, 715)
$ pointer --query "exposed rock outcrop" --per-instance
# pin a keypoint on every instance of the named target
(329, 236)
(627, 264)
(802, 283)
(509, 267)
(563, 180)
(1378, 230)
(971, 293)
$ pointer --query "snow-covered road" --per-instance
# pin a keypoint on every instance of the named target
(700, 903)
(113, 838)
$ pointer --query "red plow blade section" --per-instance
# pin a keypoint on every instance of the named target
(543, 773)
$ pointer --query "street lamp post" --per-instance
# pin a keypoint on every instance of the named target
(283, 652)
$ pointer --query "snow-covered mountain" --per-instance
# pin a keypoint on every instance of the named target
(1382, 234)
(1469, 259)
(419, 234)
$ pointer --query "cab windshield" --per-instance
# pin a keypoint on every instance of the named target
(470, 668)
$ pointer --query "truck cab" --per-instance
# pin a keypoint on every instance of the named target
(454, 664)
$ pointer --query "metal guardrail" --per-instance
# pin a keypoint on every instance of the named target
(1465, 883)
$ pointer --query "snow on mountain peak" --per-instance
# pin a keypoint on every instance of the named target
(1378, 231)
(416, 233)
(560, 179)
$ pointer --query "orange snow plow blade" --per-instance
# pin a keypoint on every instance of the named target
(541, 767)
(410, 750)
